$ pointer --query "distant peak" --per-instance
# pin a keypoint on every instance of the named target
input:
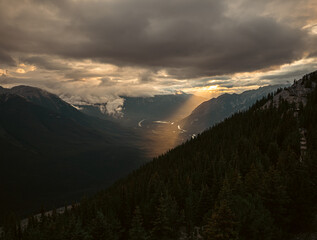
(31, 92)
(28, 88)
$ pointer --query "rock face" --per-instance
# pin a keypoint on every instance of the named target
(297, 93)
(297, 96)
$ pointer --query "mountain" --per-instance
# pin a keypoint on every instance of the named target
(252, 176)
(41, 97)
(217, 109)
(52, 154)
(170, 107)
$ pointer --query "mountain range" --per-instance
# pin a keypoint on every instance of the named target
(45, 140)
(251, 176)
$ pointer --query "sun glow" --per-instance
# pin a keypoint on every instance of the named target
(206, 91)
(20, 70)
(167, 134)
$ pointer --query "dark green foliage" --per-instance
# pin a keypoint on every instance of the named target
(166, 221)
(222, 224)
(102, 228)
(242, 179)
(137, 231)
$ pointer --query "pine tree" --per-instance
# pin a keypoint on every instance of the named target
(98, 227)
(222, 224)
(137, 231)
(105, 228)
(253, 181)
(275, 196)
(75, 231)
(204, 205)
(165, 224)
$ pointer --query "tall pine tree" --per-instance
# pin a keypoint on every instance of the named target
(222, 224)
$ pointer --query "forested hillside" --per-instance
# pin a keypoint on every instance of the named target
(245, 178)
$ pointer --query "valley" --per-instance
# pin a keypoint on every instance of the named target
(247, 172)
(166, 121)
(47, 141)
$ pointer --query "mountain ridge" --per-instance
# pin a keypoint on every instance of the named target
(216, 109)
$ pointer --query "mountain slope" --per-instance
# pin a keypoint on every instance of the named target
(160, 107)
(217, 109)
(41, 97)
(52, 153)
(245, 178)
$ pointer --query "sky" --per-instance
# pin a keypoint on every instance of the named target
(95, 51)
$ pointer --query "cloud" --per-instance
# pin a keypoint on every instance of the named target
(146, 76)
(44, 62)
(143, 47)
(197, 35)
(114, 107)
(6, 59)
(291, 71)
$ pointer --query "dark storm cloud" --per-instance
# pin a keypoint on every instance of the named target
(45, 63)
(188, 38)
(6, 59)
